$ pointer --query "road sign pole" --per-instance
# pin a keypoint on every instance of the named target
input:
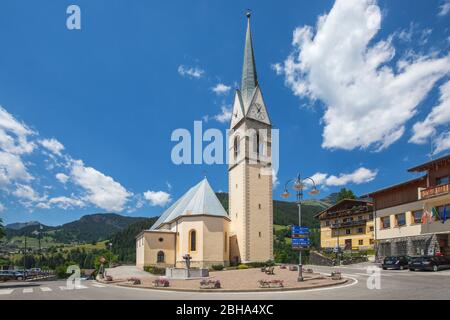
(300, 267)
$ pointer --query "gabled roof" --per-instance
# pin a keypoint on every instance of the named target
(336, 205)
(445, 160)
(199, 200)
(398, 185)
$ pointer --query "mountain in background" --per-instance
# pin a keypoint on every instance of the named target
(286, 213)
(331, 198)
(89, 228)
(20, 225)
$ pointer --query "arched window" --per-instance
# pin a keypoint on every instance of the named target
(236, 147)
(192, 240)
(160, 257)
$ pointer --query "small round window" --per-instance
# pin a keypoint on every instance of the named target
(160, 239)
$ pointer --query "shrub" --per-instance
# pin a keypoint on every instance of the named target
(210, 284)
(217, 267)
(271, 283)
(293, 268)
(242, 266)
(256, 264)
(161, 282)
(155, 270)
(134, 281)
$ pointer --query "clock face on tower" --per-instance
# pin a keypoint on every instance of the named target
(257, 112)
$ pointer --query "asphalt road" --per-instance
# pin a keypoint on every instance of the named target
(393, 285)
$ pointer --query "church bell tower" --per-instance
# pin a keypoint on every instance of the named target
(249, 171)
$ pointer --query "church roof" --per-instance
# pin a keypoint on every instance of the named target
(199, 200)
(249, 77)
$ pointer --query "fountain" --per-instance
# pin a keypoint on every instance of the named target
(187, 272)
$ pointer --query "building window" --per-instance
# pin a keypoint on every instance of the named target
(160, 257)
(327, 223)
(226, 242)
(160, 239)
(360, 217)
(417, 216)
(360, 242)
(442, 180)
(440, 211)
(371, 241)
(360, 230)
(370, 216)
(400, 219)
(371, 228)
(236, 147)
(260, 234)
(259, 205)
(192, 240)
(348, 231)
(385, 222)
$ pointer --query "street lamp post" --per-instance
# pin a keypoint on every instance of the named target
(298, 186)
(110, 254)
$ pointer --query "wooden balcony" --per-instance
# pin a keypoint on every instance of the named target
(435, 191)
(349, 224)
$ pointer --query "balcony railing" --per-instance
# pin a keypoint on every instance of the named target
(435, 191)
(349, 224)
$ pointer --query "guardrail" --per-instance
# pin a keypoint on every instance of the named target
(435, 191)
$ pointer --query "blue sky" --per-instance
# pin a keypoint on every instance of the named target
(358, 89)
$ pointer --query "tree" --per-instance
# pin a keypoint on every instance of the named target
(2, 229)
(345, 194)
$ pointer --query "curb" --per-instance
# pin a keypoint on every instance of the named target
(338, 282)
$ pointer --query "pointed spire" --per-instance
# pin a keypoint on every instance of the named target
(249, 77)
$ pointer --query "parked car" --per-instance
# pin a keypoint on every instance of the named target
(430, 263)
(395, 262)
(11, 275)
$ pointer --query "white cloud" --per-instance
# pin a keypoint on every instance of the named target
(275, 181)
(12, 169)
(66, 202)
(101, 190)
(225, 115)
(169, 185)
(359, 176)
(14, 134)
(52, 145)
(26, 192)
(191, 72)
(367, 102)
(13, 144)
(2, 207)
(439, 115)
(221, 88)
(444, 8)
(61, 177)
(157, 198)
(278, 68)
(442, 143)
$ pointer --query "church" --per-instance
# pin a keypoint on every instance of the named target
(197, 224)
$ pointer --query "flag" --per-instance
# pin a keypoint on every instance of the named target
(444, 215)
(434, 213)
(424, 216)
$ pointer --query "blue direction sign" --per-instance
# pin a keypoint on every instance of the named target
(299, 230)
(300, 243)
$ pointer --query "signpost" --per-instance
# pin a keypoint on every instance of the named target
(300, 238)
